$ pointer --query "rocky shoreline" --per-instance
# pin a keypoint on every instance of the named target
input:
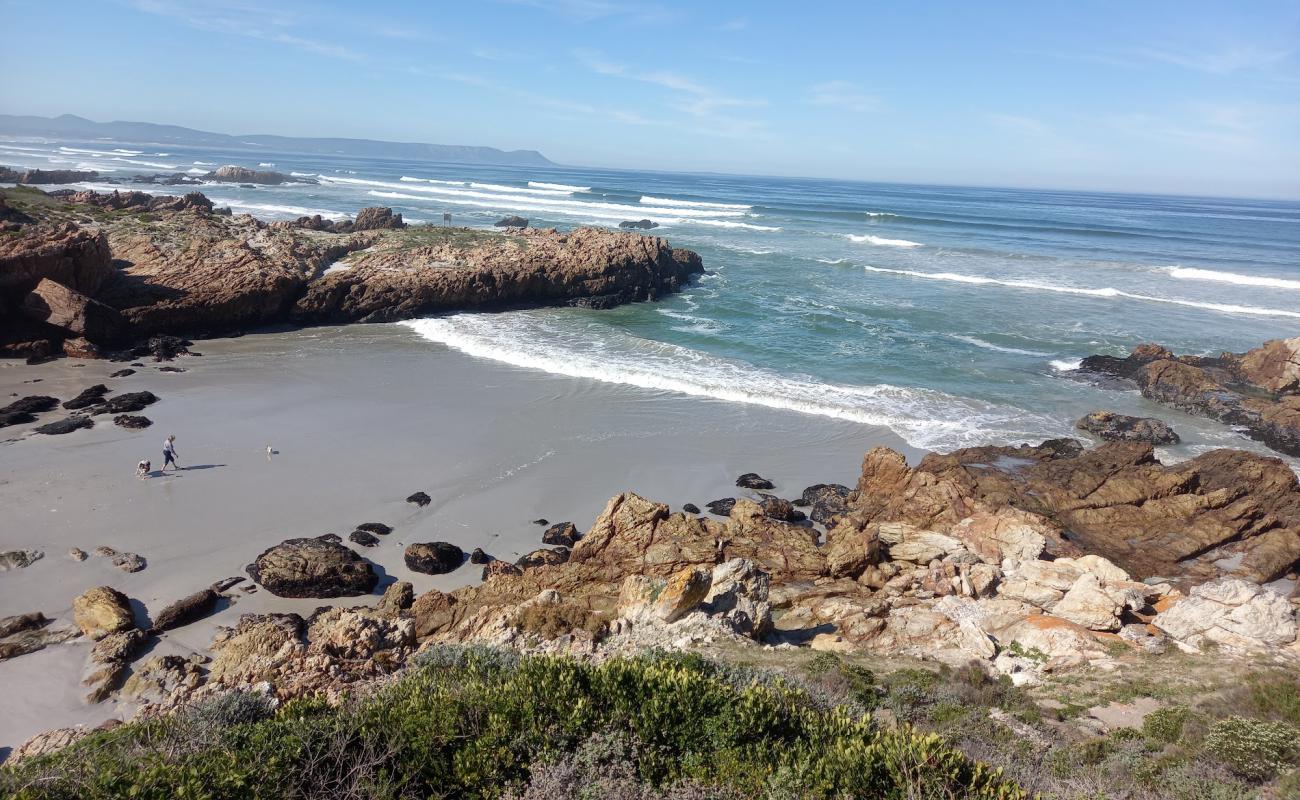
(1257, 391)
(1029, 561)
(84, 273)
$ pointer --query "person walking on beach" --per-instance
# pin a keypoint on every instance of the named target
(169, 452)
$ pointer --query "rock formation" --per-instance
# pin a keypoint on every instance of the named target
(312, 568)
(1257, 391)
(1114, 427)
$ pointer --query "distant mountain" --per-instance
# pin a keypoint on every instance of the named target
(71, 126)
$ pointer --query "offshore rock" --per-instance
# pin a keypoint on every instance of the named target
(1121, 428)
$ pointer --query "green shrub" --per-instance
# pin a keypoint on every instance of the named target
(1255, 749)
(1165, 724)
(473, 723)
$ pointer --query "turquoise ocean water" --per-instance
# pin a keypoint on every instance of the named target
(952, 316)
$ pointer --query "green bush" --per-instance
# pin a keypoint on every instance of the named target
(1255, 749)
(1165, 724)
(472, 723)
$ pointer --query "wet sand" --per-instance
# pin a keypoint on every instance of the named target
(361, 417)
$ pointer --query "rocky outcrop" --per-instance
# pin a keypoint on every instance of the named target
(512, 222)
(1226, 511)
(1257, 391)
(312, 568)
(102, 610)
(232, 173)
(1121, 428)
(561, 534)
(44, 176)
(17, 559)
(67, 425)
(195, 269)
(26, 633)
(640, 224)
(108, 662)
(1232, 613)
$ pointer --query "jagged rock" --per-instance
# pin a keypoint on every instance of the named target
(397, 598)
(1007, 533)
(851, 548)
(17, 559)
(907, 543)
(312, 567)
(39, 176)
(27, 633)
(641, 224)
(738, 594)
(377, 218)
(74, 257)
(363, 538)
(512, 222)
(1120, 428)
(435, 610)
(9, 626)
(186, 610)
(102, 610)
(826, 502)
(420, 499)
(129, 562)
(67, 425)
(132, 422)
(361, 635)
(48, 742)
(665, 600)
(78, 314)
(231, 173)
(108, 663)
(1230, 612)
(1144, 637)
(562, 534)
(81, 347)
(377, 528)
(479, 557)
(752, 480)
(543, 557)
(90, 396)
(495, 568)
(433, 558)
(721, 507)
(783, 510)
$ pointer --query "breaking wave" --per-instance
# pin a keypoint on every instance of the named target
(881, 241)
(1192, 274)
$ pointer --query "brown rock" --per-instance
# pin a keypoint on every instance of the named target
(433, 611)
(102, 610)
(186, 610)
(76, 313)
(312, 568)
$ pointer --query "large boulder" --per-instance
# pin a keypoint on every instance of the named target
(231, 173)
(77, 258)
(433, 558)
(1230, 612)
(738, 594)
(71, 311)
(313, 568)
(102, 610)
(646, 597)
(186, 610)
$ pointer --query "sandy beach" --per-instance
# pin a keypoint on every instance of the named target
(361, 417)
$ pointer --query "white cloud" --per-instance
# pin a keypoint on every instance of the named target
(1223, 60)
(844, 96)
(1015, 122)
(246, 19)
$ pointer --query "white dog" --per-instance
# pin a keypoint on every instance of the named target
(143, 468)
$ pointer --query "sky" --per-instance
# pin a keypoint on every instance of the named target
(1185, 97)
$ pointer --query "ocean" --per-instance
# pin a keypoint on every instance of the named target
(953, 316)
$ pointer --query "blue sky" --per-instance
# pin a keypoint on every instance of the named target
(1182, 97)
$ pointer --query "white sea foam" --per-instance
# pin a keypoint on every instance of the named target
(924, 417)
(205, 163)
(668, 201)
(446, 194)
(276, 210)
(1107, 291)
(564, 187)
(832, 261)
(118, 152)
(266, 164)
(137, 162)
(409, 179)
(1066, 364)
(999, 348)
(301, 174)
(1192, 274)
(881, 241)
(196, 171)
(496, 187)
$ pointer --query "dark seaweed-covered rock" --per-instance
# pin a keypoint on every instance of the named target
(721, 507)
(313, 567)
(827, 501)
(32, 404)
(434, 558)
(1121, 428)
(122, 373)
(186, 610)
(479, 557)
(751, 480)
(784, 510)
(512, 222)
(66, 425)
(16, 418)
(420, 499)
(563, 534)
(132, 422)
(128, 402)
(91, 396)
(363, 538)
(691, 508)
(377, 528)
(639, 224)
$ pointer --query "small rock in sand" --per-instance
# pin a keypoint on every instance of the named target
(66, 426)
(129, 562)
(363, 538)
(751, 480)
(377, 528)
(420, 499)
(691, 508)
(433, 558)
(17, 559)
(132, 422)
(77, 554)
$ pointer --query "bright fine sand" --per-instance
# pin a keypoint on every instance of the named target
(361, 417)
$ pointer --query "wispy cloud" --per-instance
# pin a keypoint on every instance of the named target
(843, 96)
(245, 19)
(592, 10)
(1224, 60)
